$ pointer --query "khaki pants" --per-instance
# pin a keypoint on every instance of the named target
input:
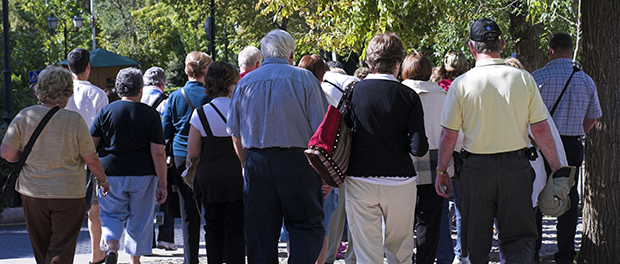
(367, 206)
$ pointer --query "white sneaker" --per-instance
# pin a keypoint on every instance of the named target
(166, 245)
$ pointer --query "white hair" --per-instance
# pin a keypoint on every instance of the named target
(249, 56)
(277, 44)
(154, 76)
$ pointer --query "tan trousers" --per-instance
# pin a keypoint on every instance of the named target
(367, 205)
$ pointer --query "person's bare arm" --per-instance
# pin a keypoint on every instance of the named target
(588, 124)
(96, 168)
(158, 154)
(446, 148)
(546, 143)
(194, 146)
(239, 149)
(10, 154)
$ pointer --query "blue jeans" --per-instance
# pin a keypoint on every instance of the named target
(280, 184)
(445, 251)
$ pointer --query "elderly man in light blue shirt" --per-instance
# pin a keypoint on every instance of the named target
(274, 111)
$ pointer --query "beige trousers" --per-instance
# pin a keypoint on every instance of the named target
(369, 204)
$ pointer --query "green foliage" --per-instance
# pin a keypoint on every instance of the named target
(161, 32)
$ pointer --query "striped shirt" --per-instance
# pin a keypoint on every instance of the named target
(578, 102)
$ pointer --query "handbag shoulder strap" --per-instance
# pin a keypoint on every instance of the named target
(33, 138)
(218, 112)
(160, 99)
(557, 102)
(204, 121)
(345, 100)
(339, 89)
(187, 99)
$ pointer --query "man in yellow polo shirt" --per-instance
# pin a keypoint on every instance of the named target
(493, 104)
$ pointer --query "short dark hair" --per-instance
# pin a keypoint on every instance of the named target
(561, 42)
(129, 82)
(315, 64)
(417, 67)
(335, 64)
(220, 75)
(78, 59)
(487, 46)
(384, 51)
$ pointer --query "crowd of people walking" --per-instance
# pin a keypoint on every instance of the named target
(420, 135)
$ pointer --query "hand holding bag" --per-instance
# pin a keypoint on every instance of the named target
(8, 190)
(330, 147)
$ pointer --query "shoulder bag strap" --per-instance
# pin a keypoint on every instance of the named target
(187, 99)
(218, 112)
(204, 122)
(557, 102)
(346, 96)
(339, 89)
(160, 99)
(33, 138)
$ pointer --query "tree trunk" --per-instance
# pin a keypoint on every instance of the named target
(527, 49)
(601, 214)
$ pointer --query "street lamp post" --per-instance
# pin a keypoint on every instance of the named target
(8, 95)
(52, 23)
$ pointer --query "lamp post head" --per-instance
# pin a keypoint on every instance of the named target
(52, 22)
(77, 21)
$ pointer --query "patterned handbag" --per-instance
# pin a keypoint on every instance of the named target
(330, 147)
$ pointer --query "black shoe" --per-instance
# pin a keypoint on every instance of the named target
(98, 262)
(111, 258)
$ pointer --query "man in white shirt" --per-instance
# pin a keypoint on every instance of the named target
(335, 83)
(87, 100)
(153, 91)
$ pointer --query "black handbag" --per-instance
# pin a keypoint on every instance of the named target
(8, 190)
(89, 189)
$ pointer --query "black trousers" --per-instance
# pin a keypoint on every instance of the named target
(427, 223)
(190, 215)
(224, 232)
(567, 223)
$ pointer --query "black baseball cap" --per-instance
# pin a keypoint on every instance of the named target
(484, 29)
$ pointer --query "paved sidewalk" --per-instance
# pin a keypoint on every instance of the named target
(15, 246)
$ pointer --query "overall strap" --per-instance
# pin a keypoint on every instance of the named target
(218, 112)
(204, 121)
(33, 138)
(187, 99)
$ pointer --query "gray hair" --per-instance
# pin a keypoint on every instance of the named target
(55, 85)
(277, 44)
(154, 76)
(129, 82)
(488, 46)
(249, 56)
